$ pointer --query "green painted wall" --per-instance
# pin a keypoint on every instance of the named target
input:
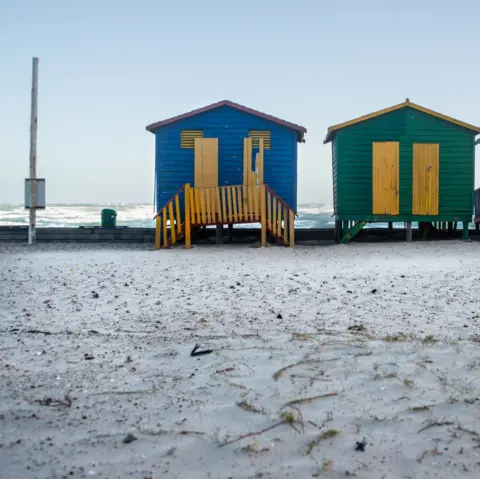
(352, 165)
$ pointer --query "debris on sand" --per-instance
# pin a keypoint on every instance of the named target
(129, 438)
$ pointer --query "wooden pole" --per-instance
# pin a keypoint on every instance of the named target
(188, 239)
(157, 232)
(32, 233)
(292, 229)
(409, 231)
(263, 215)
(219, 234)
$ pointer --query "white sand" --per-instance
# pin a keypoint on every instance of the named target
(154, 306)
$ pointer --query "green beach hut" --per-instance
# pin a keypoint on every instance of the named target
(402, 164)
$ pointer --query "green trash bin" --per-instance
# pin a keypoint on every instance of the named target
(109, 218)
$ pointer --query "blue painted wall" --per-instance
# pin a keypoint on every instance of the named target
(174, 166)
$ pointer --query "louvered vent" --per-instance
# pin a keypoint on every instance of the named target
(255, 135)
(188, 138)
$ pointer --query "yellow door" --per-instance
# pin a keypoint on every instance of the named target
(206, 162)
(425, 179)
(385, 178)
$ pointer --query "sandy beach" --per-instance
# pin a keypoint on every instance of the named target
(337, 361)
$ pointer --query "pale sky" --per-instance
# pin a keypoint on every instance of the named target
(110, 67)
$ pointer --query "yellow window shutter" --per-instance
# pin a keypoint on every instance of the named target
(255, 135)
(188, 138)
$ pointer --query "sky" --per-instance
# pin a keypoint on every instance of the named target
(108, 68)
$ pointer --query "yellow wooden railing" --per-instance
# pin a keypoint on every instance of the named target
(225, 205)
(279, 218)
(169, 225)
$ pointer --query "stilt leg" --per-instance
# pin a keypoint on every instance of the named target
(465, 231)
(409, 231)
(219, 234)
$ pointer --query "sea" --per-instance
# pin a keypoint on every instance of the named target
(132, 215)
(138, 215)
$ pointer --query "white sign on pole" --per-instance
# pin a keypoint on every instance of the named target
(40, 193)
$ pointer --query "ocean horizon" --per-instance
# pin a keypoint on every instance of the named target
(140, 215)
(134, 215)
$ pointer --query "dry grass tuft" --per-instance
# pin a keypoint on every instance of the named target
(277, 375)
(248, 406)
(309, 399)
(328, 434)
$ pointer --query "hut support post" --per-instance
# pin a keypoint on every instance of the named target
(219, 234)
(230, 233)
(263, 215)
(345, 228)
(465, 231)
(188, 237)
(390, 228)
(157, 232)
(338, 231)
(409, 231)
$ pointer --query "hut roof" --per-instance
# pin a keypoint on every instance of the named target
(299, 129)
(406, 103)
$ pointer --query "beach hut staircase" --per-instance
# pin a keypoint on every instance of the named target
(224, 205)
(252, 202)
(353, 231)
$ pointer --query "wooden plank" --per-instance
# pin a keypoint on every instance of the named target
(179, 219)
(172, 223)
(165, 239)
(230, 206)
(292, 229)
(191, 194)
(224, 204)
(247, 149)
(260, 160)
(239, 190)
(157, 232)
(213, 199)
(256, 200)
(251, 208)
(269, 210)
(234, 199)
(208, 208)
(188, 194)
(202, 206)
(285, 226)
(198, 162)
(274, 215)
(198, 207)
(279, 219)
(263, 215)
(219, 206)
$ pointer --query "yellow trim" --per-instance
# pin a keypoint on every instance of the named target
(397, 107)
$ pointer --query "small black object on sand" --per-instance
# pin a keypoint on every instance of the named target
(360, 445)
(129, 438)
(195, 351)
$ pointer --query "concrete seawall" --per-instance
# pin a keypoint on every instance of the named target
(147, 235)
(134, 235)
